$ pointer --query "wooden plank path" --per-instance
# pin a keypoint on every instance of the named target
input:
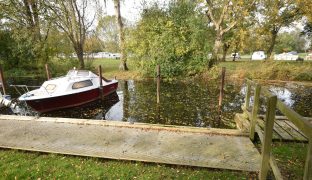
(202, 147)
(283, 129)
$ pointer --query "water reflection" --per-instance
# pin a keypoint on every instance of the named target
(93, 110)
(296, 96)
(182, 103)
(283, 94)
(189, 103)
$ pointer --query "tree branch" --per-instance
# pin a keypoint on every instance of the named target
(209, 12)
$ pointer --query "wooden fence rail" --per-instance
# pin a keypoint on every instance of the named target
(274, 103)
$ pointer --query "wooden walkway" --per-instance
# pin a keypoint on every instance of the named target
(213, 148)
(283, 129)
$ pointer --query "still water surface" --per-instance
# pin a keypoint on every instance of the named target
(186, 103)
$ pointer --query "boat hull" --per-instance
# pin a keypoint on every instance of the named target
(70, 100)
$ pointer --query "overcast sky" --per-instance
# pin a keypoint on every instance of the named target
(130, 9)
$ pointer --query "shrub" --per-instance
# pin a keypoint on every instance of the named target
(175, 38)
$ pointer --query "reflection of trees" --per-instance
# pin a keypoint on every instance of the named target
(93, 110)
(283, 94)
(294, 96)
(303, 101)
(126, 100)
(232, 103)
(183, 103)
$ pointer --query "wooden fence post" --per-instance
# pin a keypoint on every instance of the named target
(100, 81)
(267, 140)
(308, 163)
(221, 89)
(158, 84)
(247, 97)
(221, 94)
(255, 110)
(2, 81)
(47, 71)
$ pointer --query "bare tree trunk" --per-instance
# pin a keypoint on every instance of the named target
(35, 10)
(79, 52)
(216, 49)
(123, 55)
(272, 45)
(71, 17)
(226, 47)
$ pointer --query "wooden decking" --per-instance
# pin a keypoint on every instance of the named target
(283, 129)
(213, 148)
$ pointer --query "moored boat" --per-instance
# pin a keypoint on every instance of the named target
(78, 87)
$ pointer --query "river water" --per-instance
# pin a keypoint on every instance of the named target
(188, 103)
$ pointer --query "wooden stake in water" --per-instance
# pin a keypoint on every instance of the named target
(2, 80)
(158, 84)
(47, 71)
(221, 93)
(101, 83)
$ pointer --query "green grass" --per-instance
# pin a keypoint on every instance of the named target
(31, 165)
(264, 70)
(269, 70)
(110, 69)
(290, 158)
(34, 165)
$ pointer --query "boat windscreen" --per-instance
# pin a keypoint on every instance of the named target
(73, 73)
(82, 84)
(50, 88)
(82, 73)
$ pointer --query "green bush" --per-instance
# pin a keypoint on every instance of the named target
(175, 38)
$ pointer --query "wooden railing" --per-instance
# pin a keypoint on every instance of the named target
(273, 103)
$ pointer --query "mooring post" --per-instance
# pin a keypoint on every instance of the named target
(158, 84)
(247, 97)
(221, 92)
(267, 140)
(47, 71)
(2, 80)
(101, 82)
(255, 110)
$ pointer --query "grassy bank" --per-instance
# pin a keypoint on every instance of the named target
(32, 165)
(272, 70)
(290, 158)
(27, 165)
(111, 69)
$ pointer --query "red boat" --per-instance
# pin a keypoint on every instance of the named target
(78, 87)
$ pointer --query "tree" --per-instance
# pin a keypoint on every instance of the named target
(123, 54)
(93, 44)
(224, 15)
(71, 18)
(174, 37)
(276, 14)
(306, 8)
(24, 21)
(107, 31)
(290, 41)
(307, 29)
